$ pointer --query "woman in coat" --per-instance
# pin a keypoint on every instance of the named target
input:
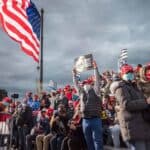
(131, 103)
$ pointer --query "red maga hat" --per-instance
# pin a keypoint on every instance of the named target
(7, 100)
(126, 68)
(87, 82)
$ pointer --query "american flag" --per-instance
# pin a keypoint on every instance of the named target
(21, 21)
(122, 58)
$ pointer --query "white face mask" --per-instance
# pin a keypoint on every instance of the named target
(87, 87)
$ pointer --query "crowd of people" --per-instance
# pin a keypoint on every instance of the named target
(105, 109)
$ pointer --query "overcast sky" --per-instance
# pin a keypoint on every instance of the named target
(77, 27)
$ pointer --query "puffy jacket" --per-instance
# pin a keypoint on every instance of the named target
(90, 102)
(131, 103)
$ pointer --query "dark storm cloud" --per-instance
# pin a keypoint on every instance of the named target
(77, 27)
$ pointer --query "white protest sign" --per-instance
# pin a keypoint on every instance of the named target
(84, 63)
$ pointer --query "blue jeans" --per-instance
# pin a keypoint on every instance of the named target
(115, 133)
(22, 132)
(56, 141)
(92, 129)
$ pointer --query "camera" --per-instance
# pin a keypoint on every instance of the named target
(15, 95)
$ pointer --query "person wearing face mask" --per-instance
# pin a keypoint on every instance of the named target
(131, 101)
(90, 106)
(87, 85)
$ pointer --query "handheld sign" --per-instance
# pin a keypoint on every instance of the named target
(84, 63)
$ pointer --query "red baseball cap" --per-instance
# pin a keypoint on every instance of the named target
(126, 68)
(7, 100)
(87, 82)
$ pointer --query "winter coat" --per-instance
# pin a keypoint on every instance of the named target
(24, 117)
(131, 103)
(60, 126)
(90, 104)
(42, 126)
(145, 87)
(143, 83)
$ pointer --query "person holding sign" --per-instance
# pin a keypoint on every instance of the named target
(90, 105)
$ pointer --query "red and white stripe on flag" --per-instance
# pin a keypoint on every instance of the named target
(14, 21)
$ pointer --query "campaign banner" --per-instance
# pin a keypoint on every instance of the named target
(84, 63)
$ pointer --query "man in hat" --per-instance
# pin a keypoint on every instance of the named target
(90, 105)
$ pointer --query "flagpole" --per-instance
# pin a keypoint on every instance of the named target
(41, 54)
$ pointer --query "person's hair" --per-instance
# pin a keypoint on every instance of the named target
(53, 94)
(49, 96)
(53, 119)
(139, 65)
